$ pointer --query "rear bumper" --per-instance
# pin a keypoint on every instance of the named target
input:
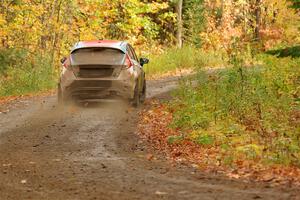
(98, 89)
(76, 87)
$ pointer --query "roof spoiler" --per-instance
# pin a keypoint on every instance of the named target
(76, 49)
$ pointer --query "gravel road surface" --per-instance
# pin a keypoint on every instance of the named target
(92, 152)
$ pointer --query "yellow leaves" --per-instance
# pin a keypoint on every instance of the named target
(250, 151)
(86, 34)
(2, 20)
(237, 19)
(88, 7)
(62, 23)
(156, 6)
(3, 28)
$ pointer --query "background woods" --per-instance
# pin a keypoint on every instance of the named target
(54, 26)
(35, 34)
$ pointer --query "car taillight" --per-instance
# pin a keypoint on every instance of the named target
(66, 64)
(128, 62)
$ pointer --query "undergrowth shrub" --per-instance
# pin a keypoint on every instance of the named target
(186, 58)
(23, 73)
(10, 58)
(252, 111)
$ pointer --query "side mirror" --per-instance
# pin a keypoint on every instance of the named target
(62, 61)
(144, 61)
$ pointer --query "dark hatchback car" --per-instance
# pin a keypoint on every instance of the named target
(102, 69)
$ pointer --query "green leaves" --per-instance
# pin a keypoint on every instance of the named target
(249, 109)
(194, 21)
(295, 4)
(204, 140)
(175, 139)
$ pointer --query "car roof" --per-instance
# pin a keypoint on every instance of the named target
(120, 45)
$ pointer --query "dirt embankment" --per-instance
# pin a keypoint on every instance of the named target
(93, 153)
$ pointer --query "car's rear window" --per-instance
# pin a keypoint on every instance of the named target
(101, 56)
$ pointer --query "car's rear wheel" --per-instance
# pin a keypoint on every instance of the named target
(143, 94)
(59, 94)
(136, 96)
(60, 97)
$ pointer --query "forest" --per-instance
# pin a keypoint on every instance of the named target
(244, 115)
(41, 32)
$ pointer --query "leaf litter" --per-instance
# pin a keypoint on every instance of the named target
(154, 129)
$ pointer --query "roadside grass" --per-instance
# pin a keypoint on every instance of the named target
(22, 73)
(243, 121)
(175, 59)
(247, 113)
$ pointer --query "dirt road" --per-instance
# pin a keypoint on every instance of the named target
(92, 153)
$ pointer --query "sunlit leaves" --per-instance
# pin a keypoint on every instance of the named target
(229, 20)
(56, 25)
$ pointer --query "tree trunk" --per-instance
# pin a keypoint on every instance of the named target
(179, 23)
(258, 19)
(56, 35)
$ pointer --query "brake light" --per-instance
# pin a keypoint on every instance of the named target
(128, 62)
(67, 63)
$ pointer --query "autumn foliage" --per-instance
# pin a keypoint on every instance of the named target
(154, 128)
(35, 35)
(242, 121)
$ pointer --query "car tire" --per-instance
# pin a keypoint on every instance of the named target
(143, 94)
(59, 94)
(136, 96)
(60, 99)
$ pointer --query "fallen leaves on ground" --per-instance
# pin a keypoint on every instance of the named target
(154, 128)
(5, 100)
